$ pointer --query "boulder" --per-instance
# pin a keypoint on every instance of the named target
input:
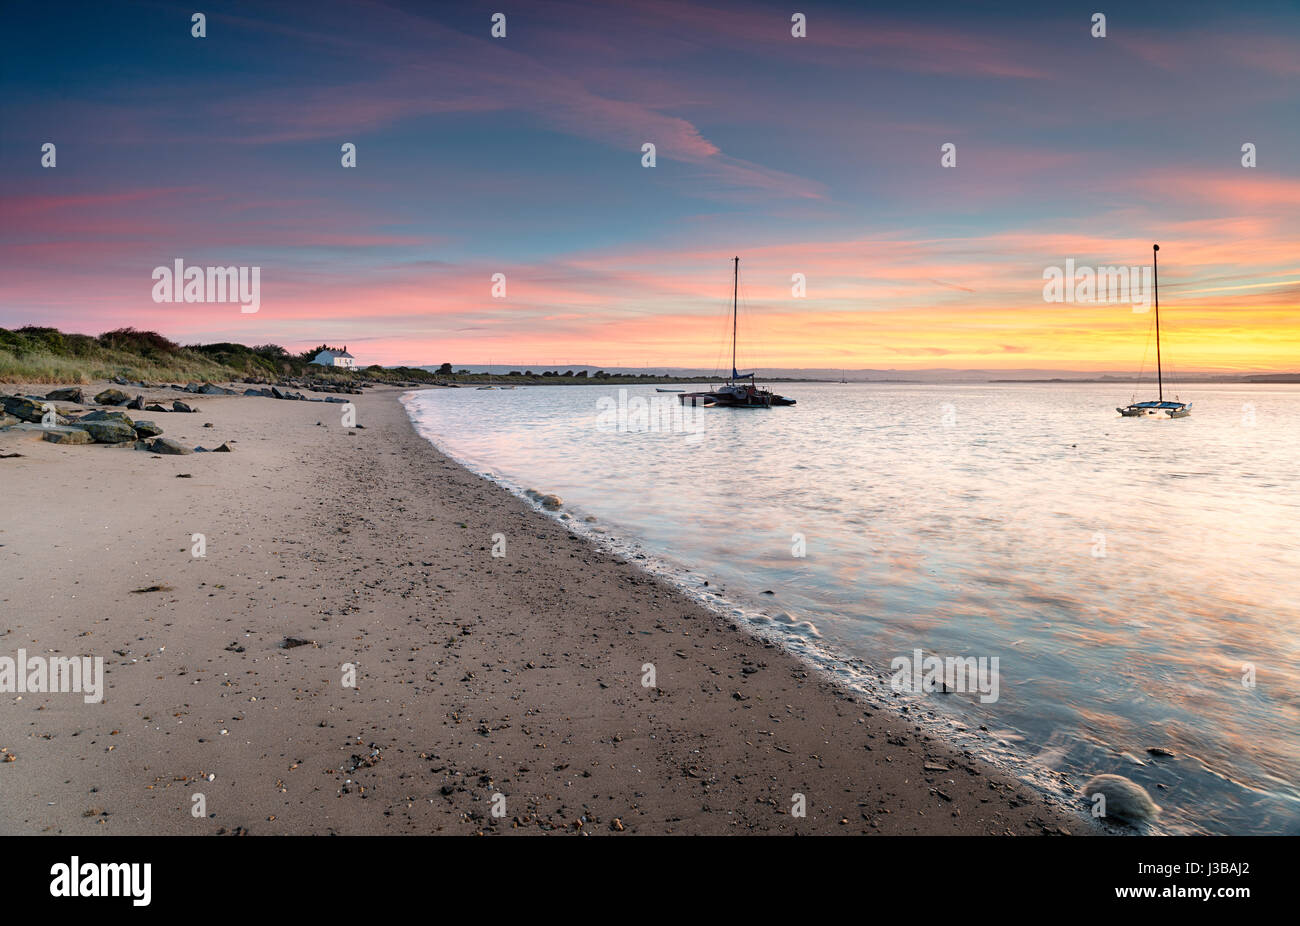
(192, 387)
(168, 446)
(549, 502)
(107, 416)
(106, 430)
(179, 406)
(209, 389)
(24, 409)
(112, 397)
(7, 421)
(66, 435)
(154, 408)
(70, 394)
(137, 403)
(224, 448)
(120, 379)
(147, 429)
(1124, 800)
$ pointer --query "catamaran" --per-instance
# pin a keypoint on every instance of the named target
(492, 382)
(1159, 408)
(736, 394)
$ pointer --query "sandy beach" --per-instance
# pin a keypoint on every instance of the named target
(475, 676)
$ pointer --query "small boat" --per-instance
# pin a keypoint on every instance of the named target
(1159, 408)
(492, 383)
(735, 394)
(669, 390)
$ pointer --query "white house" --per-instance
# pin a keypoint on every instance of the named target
(335, 358)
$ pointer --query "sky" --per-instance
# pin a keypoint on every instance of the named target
(522, 155)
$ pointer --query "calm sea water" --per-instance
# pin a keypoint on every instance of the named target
(1127, 574)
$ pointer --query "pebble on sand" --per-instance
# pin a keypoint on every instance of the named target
(549, 502)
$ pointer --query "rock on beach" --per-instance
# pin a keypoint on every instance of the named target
(1124, 800)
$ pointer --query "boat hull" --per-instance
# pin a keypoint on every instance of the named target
(1156, 410)
(722, 400)
(759, 398)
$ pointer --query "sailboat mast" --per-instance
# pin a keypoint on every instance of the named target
(735, 288)
(1155, 274)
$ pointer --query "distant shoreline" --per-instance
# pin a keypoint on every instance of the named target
(1250, 379)
(37, 355)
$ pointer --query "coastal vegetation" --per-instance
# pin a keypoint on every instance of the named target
(46, 355)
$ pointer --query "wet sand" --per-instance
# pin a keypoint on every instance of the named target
(476, 676)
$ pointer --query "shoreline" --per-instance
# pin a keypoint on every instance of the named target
(476, 675)
(850, 674)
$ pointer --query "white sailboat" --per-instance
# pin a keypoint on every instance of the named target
(1159, 408)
